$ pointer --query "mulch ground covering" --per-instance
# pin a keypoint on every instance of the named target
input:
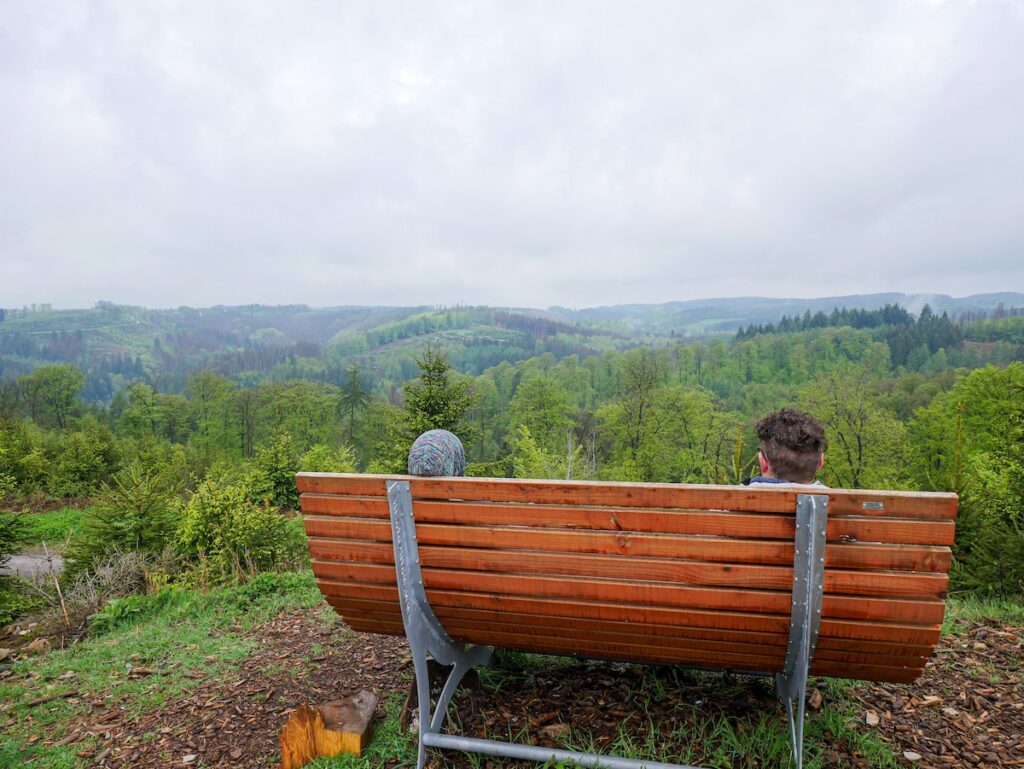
(966, 710)
(968, 707)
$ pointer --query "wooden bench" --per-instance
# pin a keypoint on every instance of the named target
(780, 581)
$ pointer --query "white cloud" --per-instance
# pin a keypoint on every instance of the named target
(525, 154)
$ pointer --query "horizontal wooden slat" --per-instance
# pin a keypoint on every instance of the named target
(828, 648)
(624, 632)
(849, 556)
(891, 632)
(935, 506)
(642, 592)
(895, 584)
(747, 525)
(896, 673)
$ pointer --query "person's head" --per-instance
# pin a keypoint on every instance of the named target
(436, 453)
(792, 445)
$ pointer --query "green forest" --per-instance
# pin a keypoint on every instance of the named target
(193, 469)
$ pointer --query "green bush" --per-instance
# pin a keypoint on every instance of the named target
(14, 601)
(23, 466)
(12, 534)
(272, 478)
(224, 532)
(990, 530)
(86, 459)
(8, 485)
(135, 511)
(324, 459)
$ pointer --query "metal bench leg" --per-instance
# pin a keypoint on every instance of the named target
(805, 620)
(423, 629)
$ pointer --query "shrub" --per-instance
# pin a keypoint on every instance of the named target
(990, 530)
(14, 600)
(229, 535)
(272, 478)
(135, 511)
(323, 459)
(22, 464)
(84, 462)
(12, 534)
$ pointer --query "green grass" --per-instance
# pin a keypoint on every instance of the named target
(701, 736)
(177, 632)
(52, 527)
(962, 610)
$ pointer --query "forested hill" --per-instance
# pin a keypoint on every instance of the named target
(728, 314)
(116, 345)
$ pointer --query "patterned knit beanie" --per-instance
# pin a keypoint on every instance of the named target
(437, 452)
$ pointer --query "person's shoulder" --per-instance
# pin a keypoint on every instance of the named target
(777, 482)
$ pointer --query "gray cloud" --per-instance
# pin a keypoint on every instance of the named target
(528, 153)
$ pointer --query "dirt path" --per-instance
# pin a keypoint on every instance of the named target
(29, 564)
(967, 710)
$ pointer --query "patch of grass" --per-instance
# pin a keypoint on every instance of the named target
(53, 527)
(187, 636)
(703, 737)
(961, 610)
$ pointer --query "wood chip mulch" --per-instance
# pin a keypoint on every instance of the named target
(966, 710)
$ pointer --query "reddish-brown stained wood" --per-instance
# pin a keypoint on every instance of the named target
(843, 664)
(661, 495)
(891, 632)
(641, 593)
(747, 525)
(626, 634)
(895, 584)
(849, 556)
(677, 634)
(701, 576)
(896, 673)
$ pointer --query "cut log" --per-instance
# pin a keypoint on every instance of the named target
(339, 726)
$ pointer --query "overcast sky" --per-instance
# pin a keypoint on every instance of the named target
(169, 153)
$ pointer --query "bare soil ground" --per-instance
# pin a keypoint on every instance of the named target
(966, 710)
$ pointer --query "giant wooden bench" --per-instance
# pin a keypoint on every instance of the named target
(778, 581)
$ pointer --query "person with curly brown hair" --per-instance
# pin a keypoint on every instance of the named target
(792, 448)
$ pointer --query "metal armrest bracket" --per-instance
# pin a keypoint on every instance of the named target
(805, 617)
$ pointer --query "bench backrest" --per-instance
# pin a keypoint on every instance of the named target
(695, 575)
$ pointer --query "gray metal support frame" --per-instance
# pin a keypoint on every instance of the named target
(427, 635)
(422, 627)
(805, 617)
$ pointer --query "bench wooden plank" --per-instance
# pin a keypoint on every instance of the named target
(728, 524)
(898, 673)
(643, 592)
(892, 632)
(674, 570)
(857, 556)
(829, 648)
(563, 639)
(934, 506)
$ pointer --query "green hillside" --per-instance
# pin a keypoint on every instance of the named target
(115, 345)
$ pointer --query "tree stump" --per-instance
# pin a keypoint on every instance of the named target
(338, 726)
